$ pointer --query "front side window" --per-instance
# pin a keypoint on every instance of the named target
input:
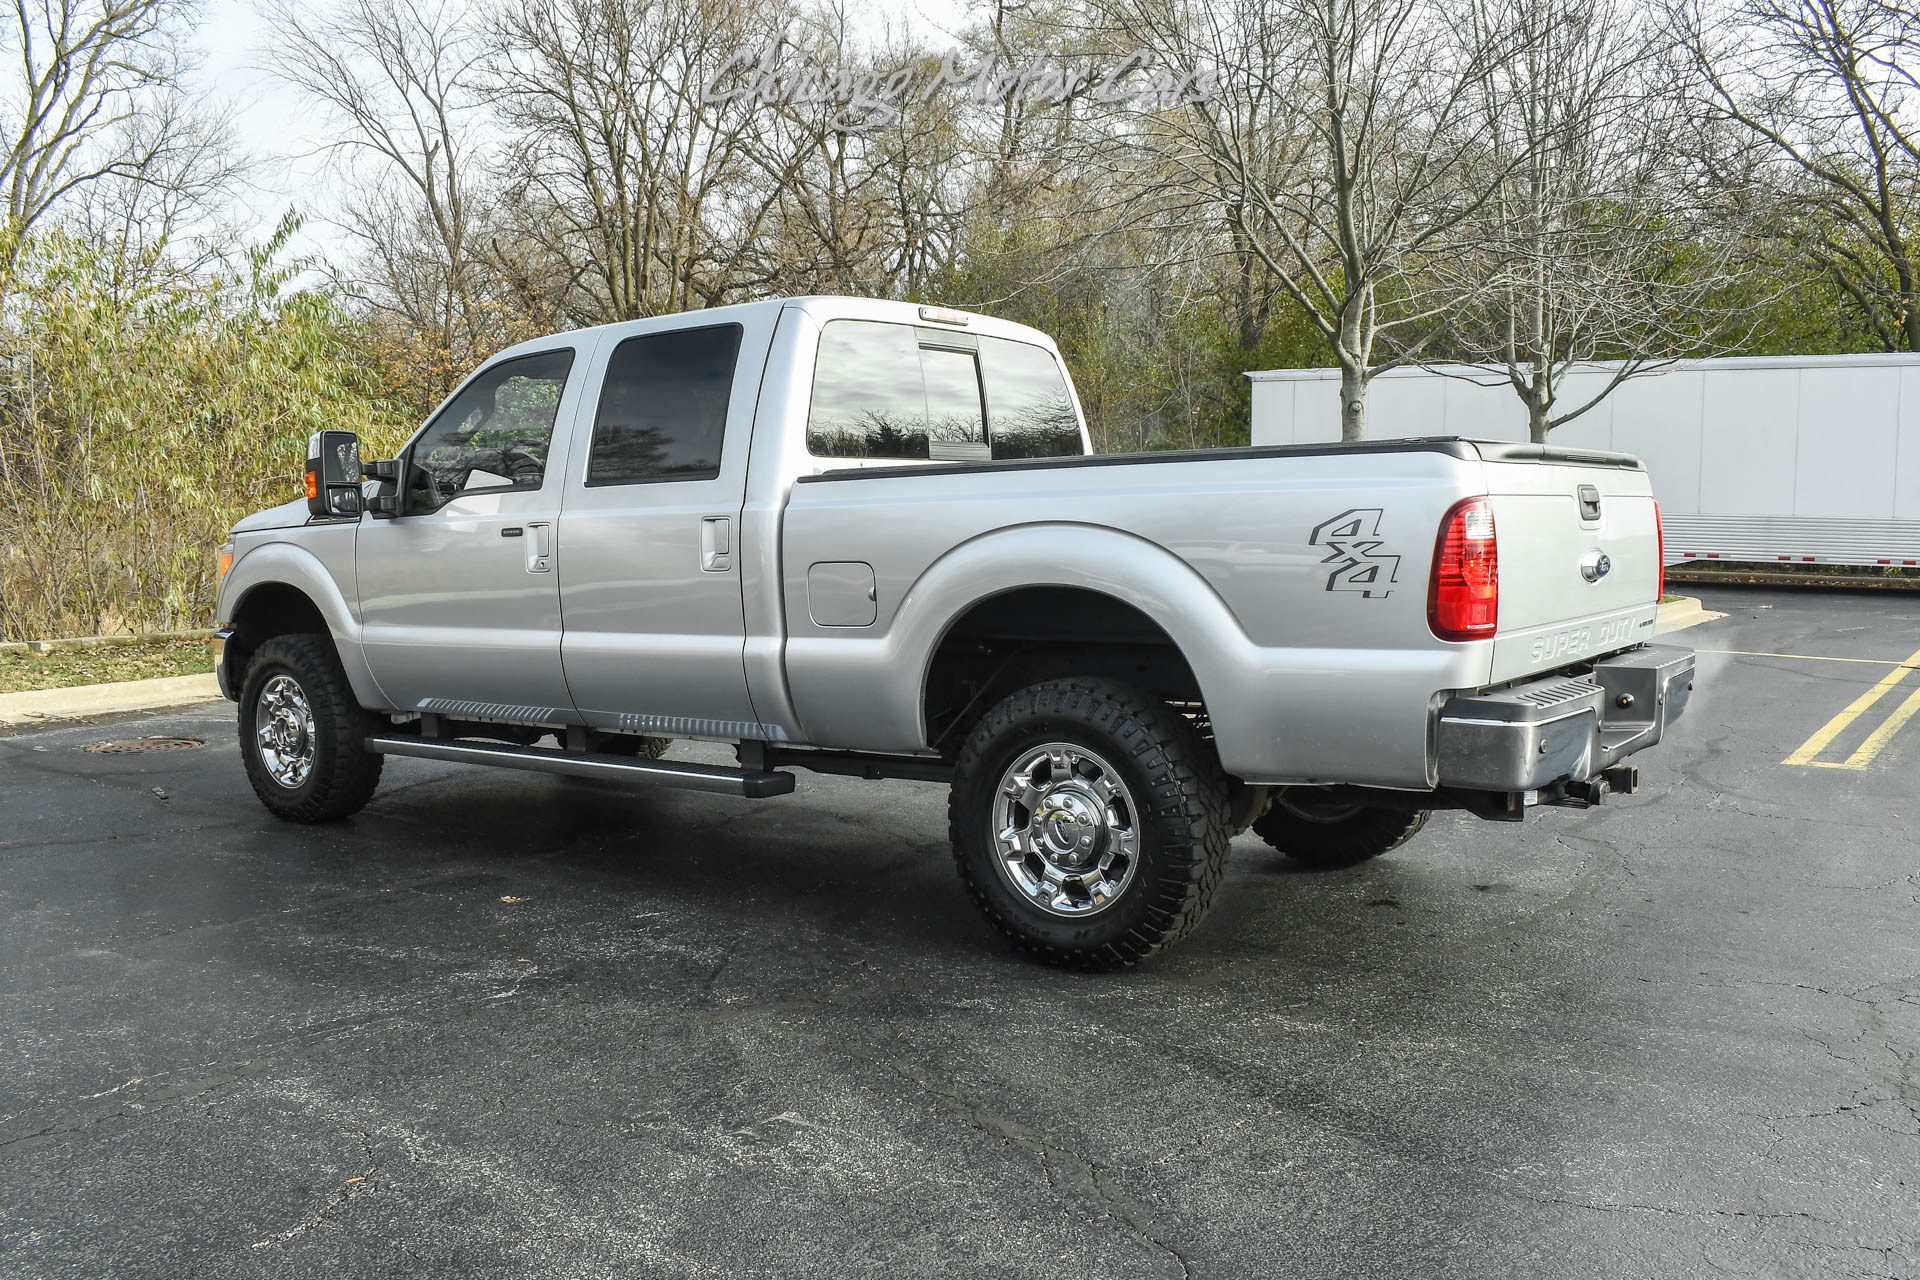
(663, 407)
(495, 435)
(896, 391)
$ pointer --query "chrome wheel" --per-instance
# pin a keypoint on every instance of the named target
(1066, 832)
(283, 731)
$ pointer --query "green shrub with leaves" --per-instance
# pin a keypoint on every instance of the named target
(142, 411)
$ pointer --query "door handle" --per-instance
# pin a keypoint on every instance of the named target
(716, 544)
(539, 547)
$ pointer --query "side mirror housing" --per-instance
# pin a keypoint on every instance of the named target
(333, 475)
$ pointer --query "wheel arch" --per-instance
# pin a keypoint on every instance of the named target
(1018, 636)
(1167, 614)
(281, 589)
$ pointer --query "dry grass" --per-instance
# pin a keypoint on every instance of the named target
(64, 668)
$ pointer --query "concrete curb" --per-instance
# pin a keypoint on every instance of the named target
(41, 706)
(1678, 615)
(101, 642)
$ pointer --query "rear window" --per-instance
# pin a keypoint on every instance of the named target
(897, 391)
(1029, 412)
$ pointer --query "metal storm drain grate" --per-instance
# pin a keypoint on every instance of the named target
(140, 746)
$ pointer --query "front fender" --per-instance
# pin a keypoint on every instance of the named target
(867, 692)
(291, 564)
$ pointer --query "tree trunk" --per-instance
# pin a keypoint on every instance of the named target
(1540, 399)
(1353, 403)
(1536, 422)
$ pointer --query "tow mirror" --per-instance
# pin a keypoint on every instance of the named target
(333, 474)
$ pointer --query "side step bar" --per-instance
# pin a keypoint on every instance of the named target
(754, 784)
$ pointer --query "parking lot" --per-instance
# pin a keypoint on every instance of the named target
(513, 1025)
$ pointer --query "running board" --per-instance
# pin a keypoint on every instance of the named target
(754, 784)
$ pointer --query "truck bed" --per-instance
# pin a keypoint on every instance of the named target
(1294, 578)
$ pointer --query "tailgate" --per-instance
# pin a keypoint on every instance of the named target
(1579, 543)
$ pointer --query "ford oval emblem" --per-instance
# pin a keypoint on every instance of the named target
(1595, 565)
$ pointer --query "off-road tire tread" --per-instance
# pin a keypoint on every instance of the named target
(1348, 843)
(1189, 796)
(345, 773)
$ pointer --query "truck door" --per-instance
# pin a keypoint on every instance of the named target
(459, 595)
(650, 581)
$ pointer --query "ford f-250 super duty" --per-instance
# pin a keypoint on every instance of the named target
(870, 537)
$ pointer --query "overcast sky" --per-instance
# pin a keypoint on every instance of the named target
(289, 138)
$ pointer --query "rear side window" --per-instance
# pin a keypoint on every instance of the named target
(663, 407)
(896, 391)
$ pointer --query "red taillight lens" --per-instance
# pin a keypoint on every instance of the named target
(1660, 590)
(1463, 599)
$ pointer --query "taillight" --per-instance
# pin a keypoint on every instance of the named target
(1660, 577)
(1463, 598)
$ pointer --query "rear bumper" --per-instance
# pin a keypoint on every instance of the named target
(1565, 728)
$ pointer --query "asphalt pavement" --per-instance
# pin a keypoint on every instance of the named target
(519, 1026)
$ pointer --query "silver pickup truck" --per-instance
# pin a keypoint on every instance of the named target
(871, 538)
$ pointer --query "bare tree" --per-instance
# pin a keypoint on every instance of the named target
(1339, 138)
(623, 169)
(403, 77)
(97, 109)
(161, 207)
(1830, 88)
(1598, 243)
(848, 192)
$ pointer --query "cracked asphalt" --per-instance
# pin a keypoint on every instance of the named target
(517, 1026)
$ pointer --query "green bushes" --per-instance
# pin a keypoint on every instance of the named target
(143, 409)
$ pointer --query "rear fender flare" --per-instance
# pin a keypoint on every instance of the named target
(1121, 565)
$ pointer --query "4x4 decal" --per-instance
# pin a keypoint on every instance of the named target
(1352, 541)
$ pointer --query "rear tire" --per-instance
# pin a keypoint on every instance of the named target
(1089, 822)
(303, 734)
(1308, 828)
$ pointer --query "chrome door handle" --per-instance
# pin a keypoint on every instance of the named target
(716, 544)
(539, 547)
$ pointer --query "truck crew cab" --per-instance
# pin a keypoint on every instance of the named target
(871, 537)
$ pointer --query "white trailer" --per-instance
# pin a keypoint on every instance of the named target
(1812, 459)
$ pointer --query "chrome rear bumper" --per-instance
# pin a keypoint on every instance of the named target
(1562, 729)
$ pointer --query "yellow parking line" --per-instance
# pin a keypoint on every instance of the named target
(1884, 734)
(1809, 657)
(1833, 728)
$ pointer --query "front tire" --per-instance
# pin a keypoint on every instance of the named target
(1089, 822)
(303, 734)
(1316, 828)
